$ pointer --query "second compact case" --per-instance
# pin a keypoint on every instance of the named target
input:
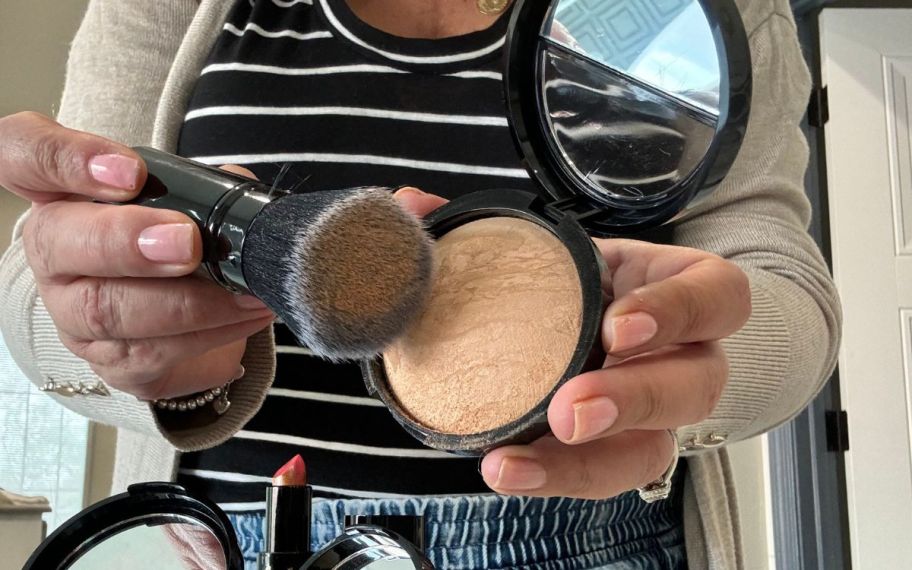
(623, 116)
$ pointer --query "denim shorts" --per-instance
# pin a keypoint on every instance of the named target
(489, 532)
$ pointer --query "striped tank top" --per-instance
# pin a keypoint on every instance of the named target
(305, 90)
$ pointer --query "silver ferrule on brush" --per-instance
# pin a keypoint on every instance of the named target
(227, 225)
(222, 204)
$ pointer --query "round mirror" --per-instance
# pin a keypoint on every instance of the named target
(632, 108)
(154, 526)
(158, 543)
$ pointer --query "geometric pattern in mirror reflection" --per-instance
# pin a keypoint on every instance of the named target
(618, 30)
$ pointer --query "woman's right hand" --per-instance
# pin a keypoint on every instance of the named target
(116, 279)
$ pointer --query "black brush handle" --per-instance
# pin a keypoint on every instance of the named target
(222, 204)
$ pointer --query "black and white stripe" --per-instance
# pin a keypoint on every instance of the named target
(308, 84)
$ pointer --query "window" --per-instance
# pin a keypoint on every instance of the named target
(42, 444)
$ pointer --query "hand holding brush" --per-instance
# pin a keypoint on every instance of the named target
(115, 279)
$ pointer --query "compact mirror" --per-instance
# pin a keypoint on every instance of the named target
(632, 109)
(157, 543)
(154, 526)
(161, 526)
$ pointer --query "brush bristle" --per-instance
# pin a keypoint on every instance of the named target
(354, 270)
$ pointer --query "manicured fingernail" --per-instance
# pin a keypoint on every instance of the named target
(239, 373)
(515, 474)
(167, 243)
(249, 302)
(630, 331)
(115, 170)
(592, 418)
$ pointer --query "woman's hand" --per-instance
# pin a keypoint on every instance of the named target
(665, 369)
(116, 279)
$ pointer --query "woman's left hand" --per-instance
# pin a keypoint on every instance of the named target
(665, 369)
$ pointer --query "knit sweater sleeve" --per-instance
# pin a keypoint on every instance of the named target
(758, 219)
(118, 64)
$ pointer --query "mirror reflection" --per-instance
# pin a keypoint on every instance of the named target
(631, 93)
(156, 545)
(668, 45)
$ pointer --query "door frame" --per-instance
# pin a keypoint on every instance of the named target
(807, 461)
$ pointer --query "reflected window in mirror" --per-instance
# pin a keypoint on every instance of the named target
(668, 45)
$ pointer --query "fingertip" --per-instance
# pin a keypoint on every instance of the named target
(235, 169)
(417, 202)
(490, 468)
(623, 333)
(120, 175)
(168, 244)
(560, 416)
(409, 191)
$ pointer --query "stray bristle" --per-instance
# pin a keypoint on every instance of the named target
(355, 270)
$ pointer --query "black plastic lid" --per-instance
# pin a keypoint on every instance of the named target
(145, 504)
(624, 209)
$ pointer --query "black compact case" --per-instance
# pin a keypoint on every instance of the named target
(588, 355)
(569, 107)
(200, 533)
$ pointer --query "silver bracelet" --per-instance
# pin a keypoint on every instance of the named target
(217, 396)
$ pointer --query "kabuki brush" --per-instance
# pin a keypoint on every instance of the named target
(346, 270)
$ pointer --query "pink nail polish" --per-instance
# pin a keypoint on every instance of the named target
(115, 170)
(167, 243)
(630, 331)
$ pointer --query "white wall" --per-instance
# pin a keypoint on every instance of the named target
(34, 38)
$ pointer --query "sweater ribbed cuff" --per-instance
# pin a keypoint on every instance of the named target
(246, 395)
(759, 356)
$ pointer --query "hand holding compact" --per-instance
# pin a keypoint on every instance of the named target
(665, 369)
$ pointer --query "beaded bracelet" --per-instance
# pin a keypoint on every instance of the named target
(217, 396)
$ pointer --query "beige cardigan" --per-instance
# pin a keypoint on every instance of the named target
(131, 71)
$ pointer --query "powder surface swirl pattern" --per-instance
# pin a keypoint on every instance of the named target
(497, 333)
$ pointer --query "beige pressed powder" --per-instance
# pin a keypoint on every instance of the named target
(497, 333)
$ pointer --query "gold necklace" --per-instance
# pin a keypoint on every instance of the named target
(491, 7)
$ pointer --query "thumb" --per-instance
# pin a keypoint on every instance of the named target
(417, 202)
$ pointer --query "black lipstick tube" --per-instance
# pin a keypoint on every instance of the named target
(221, 203)
(288, 520)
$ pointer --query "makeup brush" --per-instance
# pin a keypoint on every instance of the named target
(346, 270)
(288, 518)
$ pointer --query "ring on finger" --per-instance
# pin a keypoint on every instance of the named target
(661, 488)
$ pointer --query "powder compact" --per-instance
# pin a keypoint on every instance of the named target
(624, 116)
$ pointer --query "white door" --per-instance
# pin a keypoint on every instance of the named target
(867, 66)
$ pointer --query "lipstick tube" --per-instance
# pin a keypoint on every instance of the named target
(288, 519)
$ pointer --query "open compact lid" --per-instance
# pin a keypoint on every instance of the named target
(156, 526)
(162, 526)
(624, 111)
